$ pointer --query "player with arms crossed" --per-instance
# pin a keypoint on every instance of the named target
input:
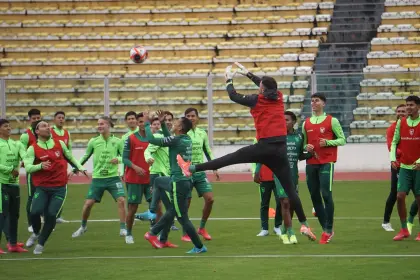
(27, 139)
(201, 147)
(47, 161)
(267, 109)
(58, 132)
(11, 153)
(407, 139)
(176, 204)
(107, 153)
(136, 175)
(322, 135)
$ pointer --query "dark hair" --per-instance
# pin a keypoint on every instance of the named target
(269, 82)
(320, 96)
(401, 105)
(34, 126)
(292, 115)
(59, 113)
(169, 113)
(189, 110)
(107, 119)
(3, 121)
(413, 98)
(34, 112)
(139, 115)
(154, 119)
(130, 113)
(186, 125)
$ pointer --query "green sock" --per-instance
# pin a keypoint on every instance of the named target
(411, 219)
(192, 168)
(305, 223)
(404, 224)
(128, 231)
(283, 229)
(84, 223)
(290, 231)
(203, 224)
(329, 231)
(122, 225)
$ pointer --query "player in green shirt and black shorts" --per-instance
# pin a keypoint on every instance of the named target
(179, 145)
(12, 152)
(107, 153)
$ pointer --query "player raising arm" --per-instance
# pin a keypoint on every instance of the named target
(180, 145)
(407, 139)
(47, 161)
(107, 153)
(267, 109)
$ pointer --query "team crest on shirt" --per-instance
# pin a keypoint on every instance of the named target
(57, 153)
(411, 132)
(322, 129)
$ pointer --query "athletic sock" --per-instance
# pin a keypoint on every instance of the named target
(282, 229)
(84, 223)
(404, 224)
(122, 225)
(203, 223)
(192, 168)
(290, 231)
(128, 232)
(411, 219)
(305, 223)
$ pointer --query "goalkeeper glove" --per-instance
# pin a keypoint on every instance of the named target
(241, 69)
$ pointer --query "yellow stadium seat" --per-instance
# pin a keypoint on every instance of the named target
(82, 9)
(52, 73)
(57, 59)
(29, 21)
(45, 21)
(412, 65)
(22, 59)
(35, 73)
(11, 22)
(17, 9)
(152, 72)
(94, 21)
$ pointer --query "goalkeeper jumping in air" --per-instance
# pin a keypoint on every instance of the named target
(267, 109)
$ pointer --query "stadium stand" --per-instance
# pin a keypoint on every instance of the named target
(74, 45)
(392, 73)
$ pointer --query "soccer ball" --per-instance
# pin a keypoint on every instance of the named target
(138, 54)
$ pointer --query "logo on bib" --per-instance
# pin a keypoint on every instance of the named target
(411, 132)
(322, 129)
(57, 153)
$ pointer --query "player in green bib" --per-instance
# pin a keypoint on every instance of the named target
(107, 153)
(158, 159)
(131, 122)
(200, 182)
(180, 145)
(11, 153)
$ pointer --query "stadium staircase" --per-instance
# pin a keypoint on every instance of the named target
(354, 24)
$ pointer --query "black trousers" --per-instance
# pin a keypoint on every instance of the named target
(392, 197)
(274, 156)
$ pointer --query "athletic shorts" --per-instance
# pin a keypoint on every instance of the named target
(135, 193)
(99, 185)
(409, 180)
(201, 184)
(279, 190)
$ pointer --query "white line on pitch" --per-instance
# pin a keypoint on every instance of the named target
(241, 219)
(214, 257)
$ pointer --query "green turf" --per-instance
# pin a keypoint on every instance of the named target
(358, 208)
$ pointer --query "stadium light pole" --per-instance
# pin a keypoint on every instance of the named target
(106, 97)
(210, 108)
(3, 98)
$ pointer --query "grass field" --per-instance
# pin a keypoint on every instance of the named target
(360, 248)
